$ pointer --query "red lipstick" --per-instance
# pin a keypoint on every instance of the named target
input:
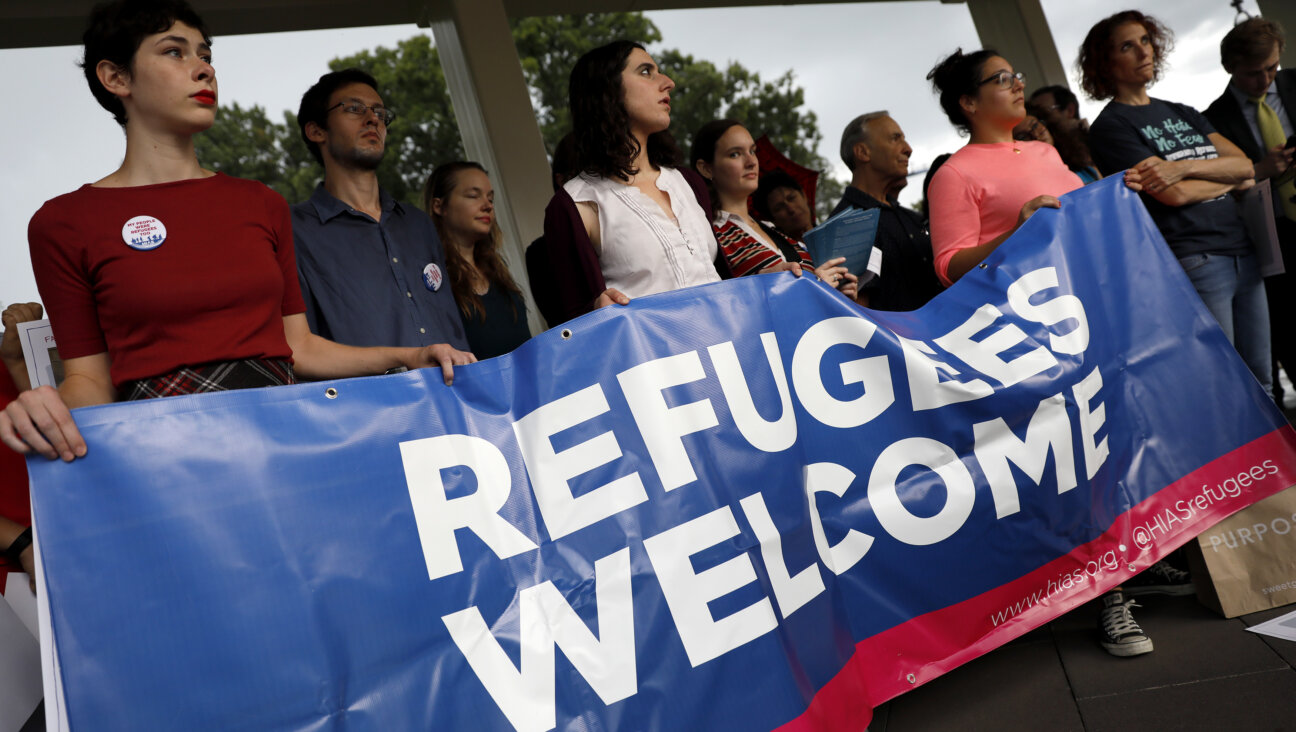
(206, 96)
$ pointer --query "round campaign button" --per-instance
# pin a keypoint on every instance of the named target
(432, 277)
(143, 233)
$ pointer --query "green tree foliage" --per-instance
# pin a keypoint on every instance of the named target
(425, 131)
(246, 143)
(773, 108)
(548, 48)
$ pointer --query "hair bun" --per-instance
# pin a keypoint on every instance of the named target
(943, 72)
(956, 76)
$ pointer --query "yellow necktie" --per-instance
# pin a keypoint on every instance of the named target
(1271, 132)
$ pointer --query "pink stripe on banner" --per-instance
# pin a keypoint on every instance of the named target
(930, 645)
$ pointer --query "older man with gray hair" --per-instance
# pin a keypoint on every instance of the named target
(873, 147)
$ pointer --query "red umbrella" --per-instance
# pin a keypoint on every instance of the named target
(771, 159)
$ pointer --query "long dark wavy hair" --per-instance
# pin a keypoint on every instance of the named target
(605, 146)
(1095, 60)
(440, 184)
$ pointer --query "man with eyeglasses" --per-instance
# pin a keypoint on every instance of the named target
(1059, 107)
(372, 269)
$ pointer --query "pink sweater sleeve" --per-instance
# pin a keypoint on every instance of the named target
(955, 218)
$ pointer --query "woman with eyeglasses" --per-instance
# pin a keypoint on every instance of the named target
(461, 201)
(630, 223)
(991, 186)
(164, 278)
(1184, 169)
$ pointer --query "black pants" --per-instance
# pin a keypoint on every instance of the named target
(1281, 292)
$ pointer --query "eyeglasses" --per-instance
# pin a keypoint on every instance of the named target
(359, 109)
(1030, 133)
(1005, 79)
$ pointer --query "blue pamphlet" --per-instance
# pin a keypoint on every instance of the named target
(849, 234)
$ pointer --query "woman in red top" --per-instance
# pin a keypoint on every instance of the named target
(165, 278)
(16, 554)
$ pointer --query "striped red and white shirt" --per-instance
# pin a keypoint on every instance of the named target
(746, 252)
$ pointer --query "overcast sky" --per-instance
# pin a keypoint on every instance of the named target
(849, 59)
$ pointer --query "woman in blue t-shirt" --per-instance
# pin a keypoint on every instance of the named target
(1185, 169)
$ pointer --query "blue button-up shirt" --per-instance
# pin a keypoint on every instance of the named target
(374, 283)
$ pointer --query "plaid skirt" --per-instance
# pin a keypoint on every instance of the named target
(248, 373)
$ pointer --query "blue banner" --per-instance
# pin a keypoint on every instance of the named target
(737, 506)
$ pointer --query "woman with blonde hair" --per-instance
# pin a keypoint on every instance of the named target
(459, 198)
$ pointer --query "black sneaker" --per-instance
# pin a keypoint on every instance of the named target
(1159, 579)
(1121, 636)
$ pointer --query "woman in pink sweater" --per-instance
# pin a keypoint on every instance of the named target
(993, 184)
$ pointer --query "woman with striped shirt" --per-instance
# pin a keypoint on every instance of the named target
(725, 154)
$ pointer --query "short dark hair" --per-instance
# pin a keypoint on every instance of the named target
(857, 131)
(604, 144)
(956, 76)
(1251, 41)
(1062, 96)
(114, 33)
(770, 182)
(314, 103)
(1094, 62)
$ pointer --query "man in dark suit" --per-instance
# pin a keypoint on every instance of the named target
(1256, 112)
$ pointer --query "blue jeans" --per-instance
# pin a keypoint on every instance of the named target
(1234, 293)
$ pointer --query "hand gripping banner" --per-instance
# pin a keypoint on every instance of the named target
(742, 506)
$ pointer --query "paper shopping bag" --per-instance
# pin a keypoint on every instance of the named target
(1247, 562)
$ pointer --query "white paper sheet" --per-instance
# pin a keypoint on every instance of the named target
(1280, 627)
(44, 368)
(18, 594)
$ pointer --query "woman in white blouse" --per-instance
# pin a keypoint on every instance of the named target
(630, 224)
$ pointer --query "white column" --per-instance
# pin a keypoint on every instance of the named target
(1019, 31)
(497, 123)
